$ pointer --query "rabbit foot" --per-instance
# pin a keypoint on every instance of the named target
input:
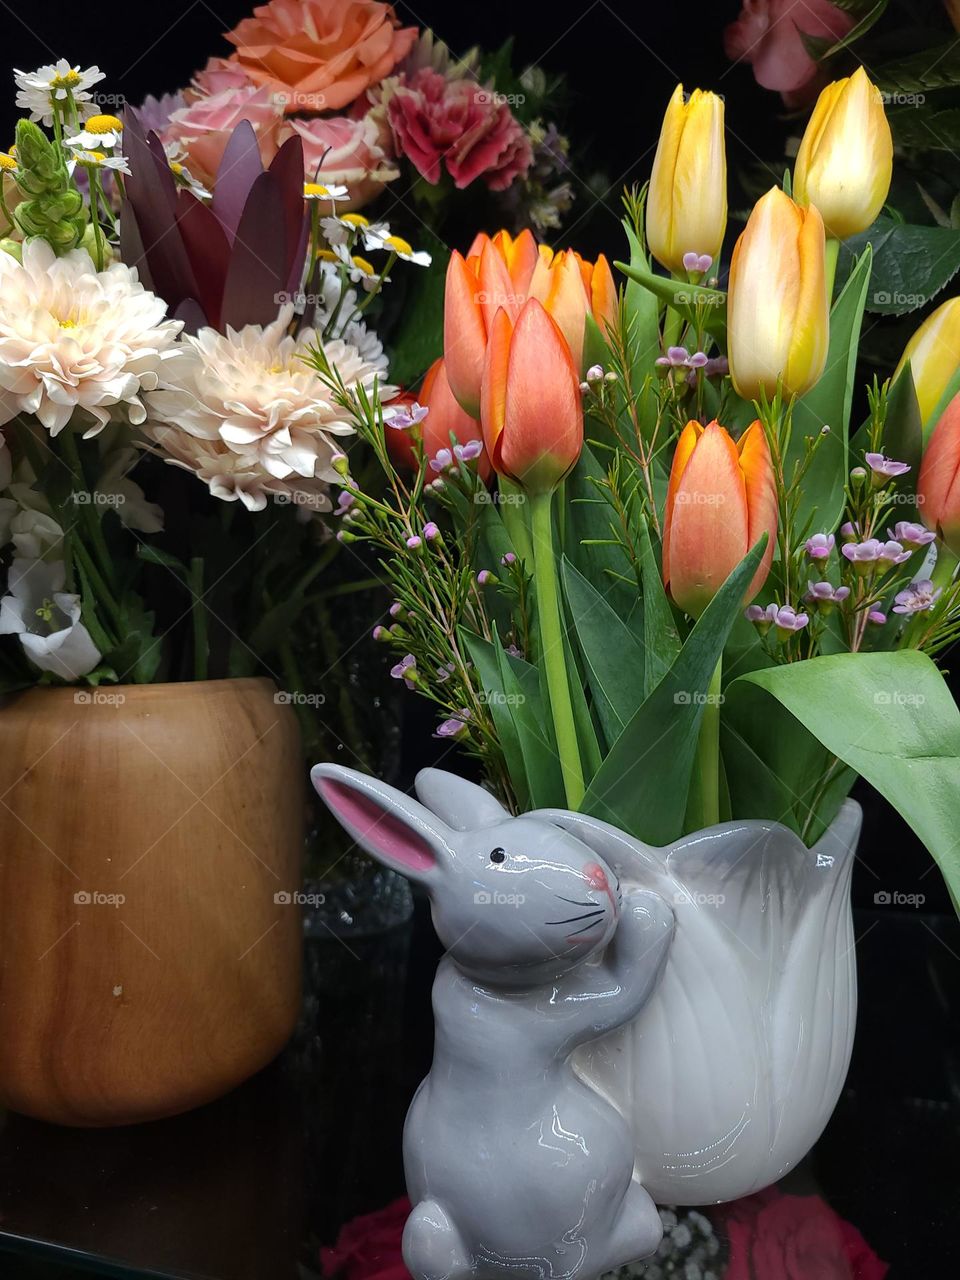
(432, 1248)
(636, 1233)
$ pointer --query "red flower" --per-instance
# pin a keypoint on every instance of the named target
(769, 34)
(368, 1247)
(785, 1237)
(459, 122)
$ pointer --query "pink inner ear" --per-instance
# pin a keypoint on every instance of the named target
(389, 836)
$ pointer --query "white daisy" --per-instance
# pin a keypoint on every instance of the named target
(99, 133)
(379, 237)
(319, 191)
(345, 227)
(100, 160)
(359, 270)
(186, 179)
(55, 83)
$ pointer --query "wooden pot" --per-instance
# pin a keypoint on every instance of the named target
(150, 939)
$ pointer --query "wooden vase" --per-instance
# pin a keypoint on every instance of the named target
(150, 937)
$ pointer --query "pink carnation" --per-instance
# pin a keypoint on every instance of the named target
(461, 123)
(203, 129)
(356, 153)
(767, 34)
(219, 74)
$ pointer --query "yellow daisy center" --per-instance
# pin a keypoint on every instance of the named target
(92, 157)
(176, 167)
(103, 124)
(398, 244)
(315, 189)
(363, 265)
(326, 255)
(68, 81)
(355, 220)
(7, 162)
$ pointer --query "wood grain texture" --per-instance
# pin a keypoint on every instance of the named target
(146, 965)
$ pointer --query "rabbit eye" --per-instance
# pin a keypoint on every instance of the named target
(498, 855)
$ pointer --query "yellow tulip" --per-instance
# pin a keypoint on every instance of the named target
(934, 355)
(777, 313)
(687, 199)
(845, 160)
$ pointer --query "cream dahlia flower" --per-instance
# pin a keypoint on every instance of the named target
(75, 339)
(251, 392)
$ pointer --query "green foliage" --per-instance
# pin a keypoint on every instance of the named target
(911, 264)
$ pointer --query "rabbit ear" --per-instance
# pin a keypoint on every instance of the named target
(461, 804)
(391, 826)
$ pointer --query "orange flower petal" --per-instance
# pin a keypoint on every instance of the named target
(493, 395)
(464, 334)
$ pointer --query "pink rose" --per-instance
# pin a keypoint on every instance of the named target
(783, 1237)
(355, 153)
(204, 127)
(219, 74)
(369, 1247)
(468, 128)
(767, 35)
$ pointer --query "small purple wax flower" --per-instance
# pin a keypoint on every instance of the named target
(414, 543)
(820, 545)
(919, 597)
(344, 502)
(787, 621)
(595, 373)
(877, 617)
(455, 726)
(431, 531)
(380, 633)
(402, 418)
(513, 651)
(445, 673)
(443, 461)
(467, 452)
(508, 559)
(892, 553)
(762, 618)
(397, 610)
(874, 554)
(484, 576)
(911, 535)
(885, 468)
(849, 532)
(716, 367)
(825, 595)
(405, 670)
(698, 262)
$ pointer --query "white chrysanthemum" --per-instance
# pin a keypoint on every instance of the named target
(252, 391)
(72, 338)
(55, 83)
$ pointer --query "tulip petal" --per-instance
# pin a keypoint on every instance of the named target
(568, 301)
(464, 333)
(761, 490)
(543, 411)
(603, 293)
(811, 320)
(447, 418)
(689, 436)
(934, 355)
(493, 394)
(938, 484)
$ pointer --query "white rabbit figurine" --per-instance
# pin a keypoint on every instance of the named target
(514, 1166)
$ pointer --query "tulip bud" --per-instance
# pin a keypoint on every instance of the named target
(777, 312)
(531, 410)
(938, 484)
(934, 355)
(720, 500)
(687, 200)
(845, 160)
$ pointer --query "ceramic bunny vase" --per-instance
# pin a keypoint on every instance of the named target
(513, 1164)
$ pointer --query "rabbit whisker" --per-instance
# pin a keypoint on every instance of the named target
(574, 902)
(583, 928)
(573, 919)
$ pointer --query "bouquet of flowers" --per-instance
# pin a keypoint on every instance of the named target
(695, 593)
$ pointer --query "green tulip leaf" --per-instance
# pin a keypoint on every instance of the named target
(643, 784)
(892, 719)
(699, 305)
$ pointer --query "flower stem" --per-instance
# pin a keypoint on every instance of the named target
(552, 647)
(831, 253)
(708, 753)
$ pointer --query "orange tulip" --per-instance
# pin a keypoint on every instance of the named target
(938, 485)
(501, 273)
(531, 410)
(720, 500)
(447, 418)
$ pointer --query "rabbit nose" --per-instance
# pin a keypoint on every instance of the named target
(596, 877)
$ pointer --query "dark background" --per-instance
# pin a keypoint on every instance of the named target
(621, 59)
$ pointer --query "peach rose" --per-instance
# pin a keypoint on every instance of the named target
(355, 153)
(204, 127)
(319, 55)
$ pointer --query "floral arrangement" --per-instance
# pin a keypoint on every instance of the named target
(169, 273)
(699, 589)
